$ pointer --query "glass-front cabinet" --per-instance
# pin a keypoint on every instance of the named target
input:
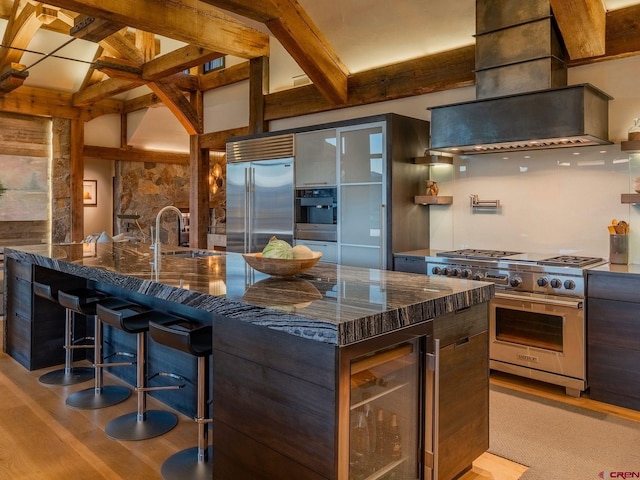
(390, 411)
(362, 163)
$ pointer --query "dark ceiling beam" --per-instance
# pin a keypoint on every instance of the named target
(93, 29)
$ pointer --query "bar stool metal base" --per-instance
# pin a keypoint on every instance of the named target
(90, 399)
(184, 465)
(64, 377)
(128, 427)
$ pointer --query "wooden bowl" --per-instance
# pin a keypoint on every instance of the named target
(280, 267)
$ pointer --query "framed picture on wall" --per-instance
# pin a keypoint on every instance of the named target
(90, 193)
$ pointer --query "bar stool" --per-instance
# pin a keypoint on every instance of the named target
(69, 375)
(141, 424)
(195, 463)
(100, 396)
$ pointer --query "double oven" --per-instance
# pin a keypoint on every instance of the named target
(536, 319)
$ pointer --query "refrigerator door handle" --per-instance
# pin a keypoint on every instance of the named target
(382, 234)
(247, 220)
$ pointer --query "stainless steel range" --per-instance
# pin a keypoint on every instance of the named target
(536, 320)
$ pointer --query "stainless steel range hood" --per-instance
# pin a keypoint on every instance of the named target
(575, 115)
(523, 101)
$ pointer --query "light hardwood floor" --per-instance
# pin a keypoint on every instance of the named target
(43, 439)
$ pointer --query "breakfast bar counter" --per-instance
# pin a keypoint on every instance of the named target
(284, 346)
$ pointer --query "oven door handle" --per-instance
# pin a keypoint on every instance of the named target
(574, 303)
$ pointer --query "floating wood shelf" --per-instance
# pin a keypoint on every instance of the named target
(432, 200)
(630, 146)
(630, 198)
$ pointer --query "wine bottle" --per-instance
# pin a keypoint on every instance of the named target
(381, 441)
(360, 446)
(395, 440)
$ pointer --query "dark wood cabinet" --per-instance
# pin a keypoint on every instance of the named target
(35, 326)
(464, 389)
(613, 332)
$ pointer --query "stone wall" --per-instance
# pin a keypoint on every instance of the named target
(143, 189)
(61, 181)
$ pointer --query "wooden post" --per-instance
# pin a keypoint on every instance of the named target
(199, 191)
(258, 88)
(77, 177)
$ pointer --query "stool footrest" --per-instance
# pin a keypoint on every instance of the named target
(173, 376)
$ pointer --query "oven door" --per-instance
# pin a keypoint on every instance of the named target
(538, 332)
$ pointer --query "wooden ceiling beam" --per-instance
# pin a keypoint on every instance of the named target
(262, 11)
(145, 43)
(622, 36)
(179, 105)
(11, 77)
(104, 90)
(582, 25)
(93, 29)
(23, 25)
(134, 155)
(433, 73)
(226, 76)
(297, 33)
(121, 45)
(218, 140)
(177, 61)
(193, 23)
(50, 103)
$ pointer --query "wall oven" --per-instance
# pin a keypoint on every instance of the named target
(316, 214)
(537, 320)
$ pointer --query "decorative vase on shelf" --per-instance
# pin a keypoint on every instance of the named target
(432, 188)
(634, 131)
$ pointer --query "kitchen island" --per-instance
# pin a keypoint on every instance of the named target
(291, 354)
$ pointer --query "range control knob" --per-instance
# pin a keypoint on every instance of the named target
(455, 272)
(436, 270)
(543, 282)
(466, 273)
(478, 276)
(569, 284)
(515, 282)
(445, 271)
(556, 283)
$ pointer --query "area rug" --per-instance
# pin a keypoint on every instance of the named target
(561, 442)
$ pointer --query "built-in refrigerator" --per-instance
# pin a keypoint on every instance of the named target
(260, 192)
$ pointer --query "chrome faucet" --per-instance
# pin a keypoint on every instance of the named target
(156, 243)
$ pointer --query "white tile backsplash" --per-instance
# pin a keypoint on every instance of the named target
(552, 201)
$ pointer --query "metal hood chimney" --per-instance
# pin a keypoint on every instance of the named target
(523, 101)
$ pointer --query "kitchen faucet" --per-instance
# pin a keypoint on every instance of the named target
(156, 243)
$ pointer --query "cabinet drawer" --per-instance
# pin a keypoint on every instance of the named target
(612, 286)
(20, 269)
(410, 264)
(464, 323)
(329, 249)
(614, 375)
(613, 323)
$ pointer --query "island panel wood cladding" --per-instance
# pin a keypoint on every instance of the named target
(24, 166)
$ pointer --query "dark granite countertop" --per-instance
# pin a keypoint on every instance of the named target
(329, 303)
(630, 269)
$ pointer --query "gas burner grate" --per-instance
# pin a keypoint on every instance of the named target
(569, 261)
(477, 254)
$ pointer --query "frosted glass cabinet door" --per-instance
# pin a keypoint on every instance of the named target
(316, 158)
(362, 175)
(361, 155)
